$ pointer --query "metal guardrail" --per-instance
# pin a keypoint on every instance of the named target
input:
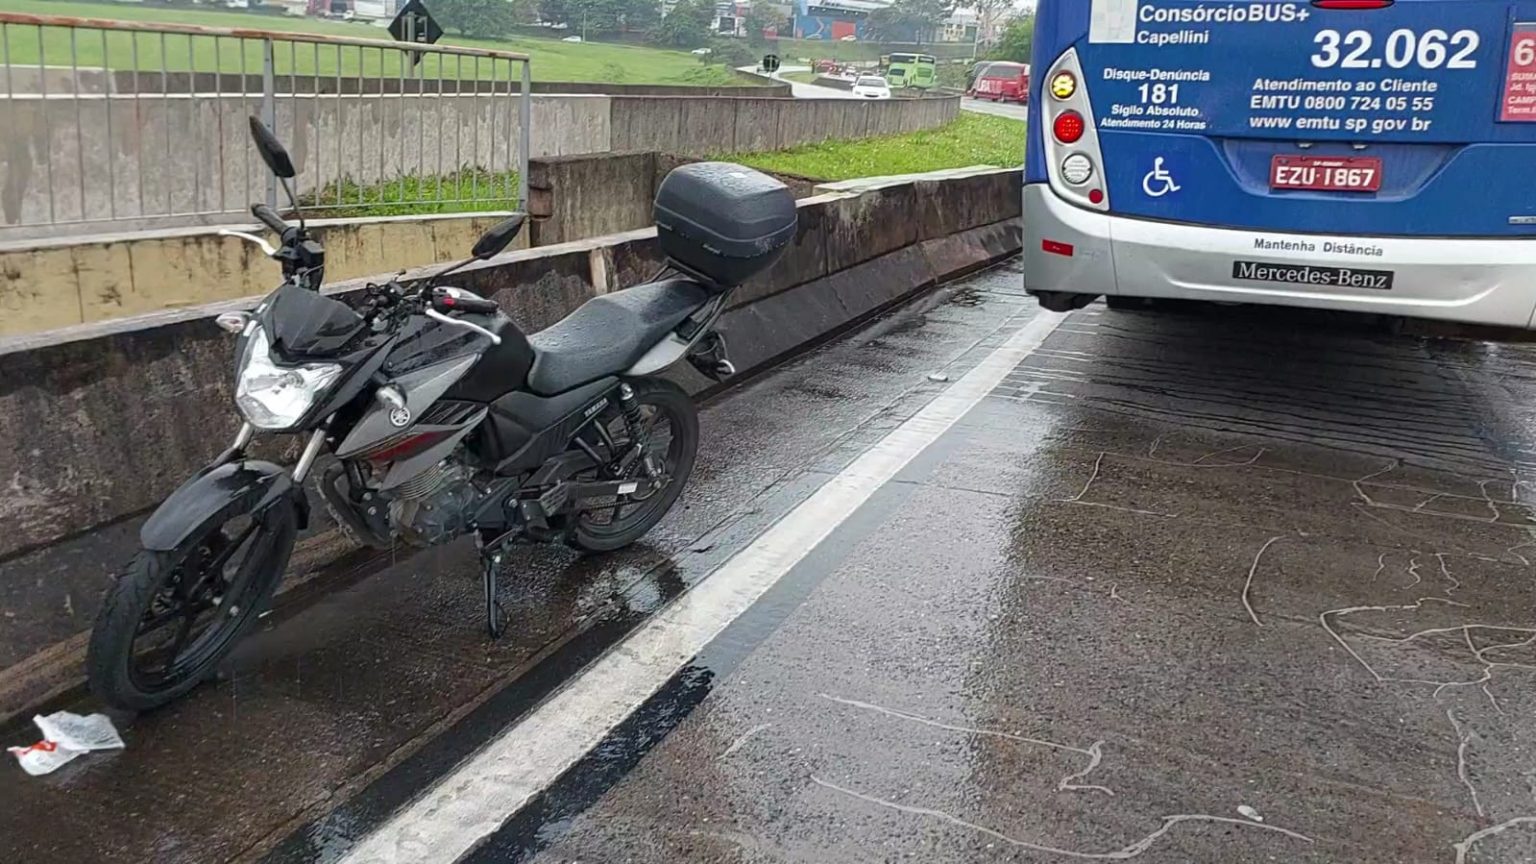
(116, 124)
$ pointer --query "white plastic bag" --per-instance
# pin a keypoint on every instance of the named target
(66, 736)
(94, 732)
(44, 757)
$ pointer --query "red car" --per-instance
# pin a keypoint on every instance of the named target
(1002, 82)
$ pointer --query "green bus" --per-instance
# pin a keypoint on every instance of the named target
(917, 71)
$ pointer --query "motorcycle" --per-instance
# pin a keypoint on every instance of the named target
(436, 418)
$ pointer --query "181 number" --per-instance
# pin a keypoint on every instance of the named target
(1159, 94)
(1404, 48)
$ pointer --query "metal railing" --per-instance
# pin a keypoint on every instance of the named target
(117, 125)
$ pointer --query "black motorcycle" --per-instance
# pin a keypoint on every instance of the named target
(444, 420)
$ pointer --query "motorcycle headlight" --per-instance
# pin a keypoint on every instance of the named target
(277, 397)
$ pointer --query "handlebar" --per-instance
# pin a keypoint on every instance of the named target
(444, 302)
(268, 217)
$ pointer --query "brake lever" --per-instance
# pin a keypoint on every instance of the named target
(265, 246)
(438, 316)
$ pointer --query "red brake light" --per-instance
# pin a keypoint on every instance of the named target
(1069, 127)
(1352, 4)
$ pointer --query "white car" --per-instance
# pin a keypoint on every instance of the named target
(871, 87)
(571, 39)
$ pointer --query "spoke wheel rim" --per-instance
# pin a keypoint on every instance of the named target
(199, 604)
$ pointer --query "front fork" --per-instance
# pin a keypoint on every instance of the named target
(301, 468)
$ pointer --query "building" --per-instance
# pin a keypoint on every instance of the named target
(834, 19)
(961, 26)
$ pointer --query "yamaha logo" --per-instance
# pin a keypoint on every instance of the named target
(400, 417)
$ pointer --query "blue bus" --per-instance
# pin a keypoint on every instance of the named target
(1363, 155)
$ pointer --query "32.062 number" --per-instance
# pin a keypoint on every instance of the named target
(1430, 50)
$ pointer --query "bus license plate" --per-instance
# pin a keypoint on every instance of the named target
(1326, 173)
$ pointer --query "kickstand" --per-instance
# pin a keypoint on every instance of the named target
(495, 616)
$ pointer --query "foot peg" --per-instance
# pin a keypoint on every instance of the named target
(709, 358)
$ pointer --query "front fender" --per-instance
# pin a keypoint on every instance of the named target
(215, 496)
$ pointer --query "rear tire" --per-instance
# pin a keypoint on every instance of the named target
(665, 402)
(116, 664)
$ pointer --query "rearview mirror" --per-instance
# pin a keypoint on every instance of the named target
(499, 237)
(271, 150)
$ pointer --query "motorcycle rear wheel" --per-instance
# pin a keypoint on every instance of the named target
(674, 442)
(206, 594)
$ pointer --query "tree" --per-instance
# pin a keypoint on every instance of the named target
(477, 17)
(1017, 41)
(909, 20)
(761, 17)
(687, 25)
(989, 14)
(600, 16)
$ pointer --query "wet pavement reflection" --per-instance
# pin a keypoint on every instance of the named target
(1231, 585)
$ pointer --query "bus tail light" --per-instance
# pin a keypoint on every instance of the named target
(1074, 160)
(1069, 127)
(1056, 247)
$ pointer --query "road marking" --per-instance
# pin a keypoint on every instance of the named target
(474, 801)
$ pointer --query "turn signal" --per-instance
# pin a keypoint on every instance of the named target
(1063, 85)
(1069, 127)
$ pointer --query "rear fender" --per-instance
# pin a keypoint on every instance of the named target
(677, 343)
(217, 495)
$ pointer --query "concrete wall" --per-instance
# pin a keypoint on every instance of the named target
(208, 82)
(165, 161)
(126, 157)
(46, 285)
(107, 419)
(85, 79)
(573, 197)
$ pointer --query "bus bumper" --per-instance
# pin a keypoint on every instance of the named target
(1473, 281)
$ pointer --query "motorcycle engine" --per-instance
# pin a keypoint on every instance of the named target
(435, 506)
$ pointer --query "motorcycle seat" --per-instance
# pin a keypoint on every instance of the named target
(609, 334)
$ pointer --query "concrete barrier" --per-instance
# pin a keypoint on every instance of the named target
(109, 418)
(97, 160)
(573, 197)
(62, 282)
(51, 284)
(87, 79)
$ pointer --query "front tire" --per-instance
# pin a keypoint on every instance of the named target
(674, 425)
(207, 594)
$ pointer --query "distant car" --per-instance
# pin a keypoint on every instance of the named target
(702, 51)
(871, 87)
(571, 39)
(1001, 82)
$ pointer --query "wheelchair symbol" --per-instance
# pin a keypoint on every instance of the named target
(1158, 181)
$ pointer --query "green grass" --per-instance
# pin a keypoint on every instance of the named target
(553, 60)
(467, 191)
(972, 139)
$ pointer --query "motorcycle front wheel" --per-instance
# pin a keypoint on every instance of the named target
(172, 616)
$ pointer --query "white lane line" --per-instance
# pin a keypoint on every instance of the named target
(469, 805)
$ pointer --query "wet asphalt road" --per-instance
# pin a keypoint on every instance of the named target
(1179, 569)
